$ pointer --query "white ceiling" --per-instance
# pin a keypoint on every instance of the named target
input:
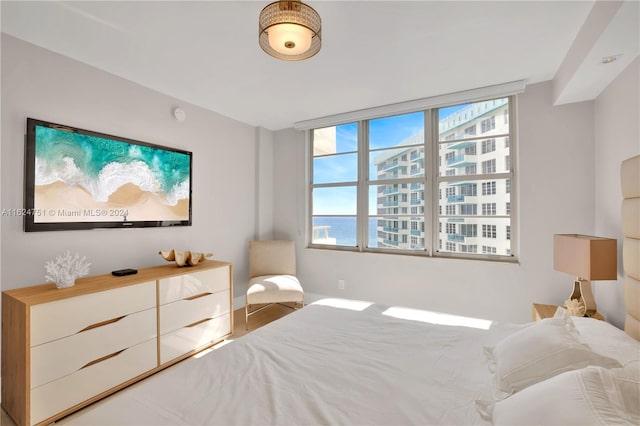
(373, 52)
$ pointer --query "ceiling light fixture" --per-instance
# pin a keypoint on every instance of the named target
(290, 30)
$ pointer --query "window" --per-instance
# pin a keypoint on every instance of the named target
(489, 166)
(489, 231)
(489, 188)
(488, 209)
(488, 250)
(335, 177)
(469, 189)
(508, 232)
(488, 145)
(468, 209)
(469, 230)
(468, 170)
(383, 184)
(488, 124)
(468, 248)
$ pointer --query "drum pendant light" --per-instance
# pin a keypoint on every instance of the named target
(290, 30)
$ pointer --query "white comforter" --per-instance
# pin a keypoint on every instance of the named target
(324, 364)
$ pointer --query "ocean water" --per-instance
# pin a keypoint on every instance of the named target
(343, 229)
(101, 166)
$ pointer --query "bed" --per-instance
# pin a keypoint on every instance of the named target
(352, 362)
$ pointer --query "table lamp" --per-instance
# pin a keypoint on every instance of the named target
(588, 258)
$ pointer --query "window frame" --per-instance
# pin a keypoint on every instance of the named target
(431, 180)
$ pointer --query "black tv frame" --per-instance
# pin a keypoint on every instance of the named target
(30, 213)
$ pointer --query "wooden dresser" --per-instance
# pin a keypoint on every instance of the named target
(63, 349)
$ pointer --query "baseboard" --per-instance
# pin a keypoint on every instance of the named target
(239, 302)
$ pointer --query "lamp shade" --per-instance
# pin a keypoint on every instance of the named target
(290, 39)
(587, 257)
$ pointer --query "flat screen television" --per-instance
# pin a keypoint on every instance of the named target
(79, 179)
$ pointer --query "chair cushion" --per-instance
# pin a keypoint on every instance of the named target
(274, 289)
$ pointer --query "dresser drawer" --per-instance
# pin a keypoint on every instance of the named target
(58, 395)
(186, 339)
(62, 357)
(62, 318)
(193, 284)
(190, 311)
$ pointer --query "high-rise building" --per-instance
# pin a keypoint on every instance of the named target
(474, 206)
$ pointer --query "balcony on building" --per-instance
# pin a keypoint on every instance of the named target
(395, 166)
(462, 160)
(461, 145)
(456, 238)
(390, 190)
(417, 157)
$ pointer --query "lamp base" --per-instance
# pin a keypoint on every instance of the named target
(582, 292)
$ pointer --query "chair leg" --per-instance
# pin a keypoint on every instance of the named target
(246, 316)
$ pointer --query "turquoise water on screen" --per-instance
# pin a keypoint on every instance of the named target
(102, 165)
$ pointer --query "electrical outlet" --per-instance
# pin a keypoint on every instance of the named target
(340, 284)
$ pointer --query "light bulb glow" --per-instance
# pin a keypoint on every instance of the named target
(289, 39)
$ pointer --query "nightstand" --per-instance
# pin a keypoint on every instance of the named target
(541, 311)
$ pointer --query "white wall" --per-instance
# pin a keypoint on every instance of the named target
(555, 188)
(617, 136)
(264, 184)
(40, 84)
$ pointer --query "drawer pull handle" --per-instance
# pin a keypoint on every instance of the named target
(198, 296)
(198, 322)
(104, 358)
(101, 324)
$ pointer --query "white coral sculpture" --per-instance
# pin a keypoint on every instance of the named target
(66, 268)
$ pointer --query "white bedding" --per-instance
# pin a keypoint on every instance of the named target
(322, 365)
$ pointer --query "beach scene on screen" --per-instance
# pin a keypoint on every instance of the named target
(84, 178)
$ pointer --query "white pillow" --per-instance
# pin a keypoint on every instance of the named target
(538, 352)
(628, 381)
(608, 340)
(590, 396)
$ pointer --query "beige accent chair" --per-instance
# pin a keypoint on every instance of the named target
(272, 276)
